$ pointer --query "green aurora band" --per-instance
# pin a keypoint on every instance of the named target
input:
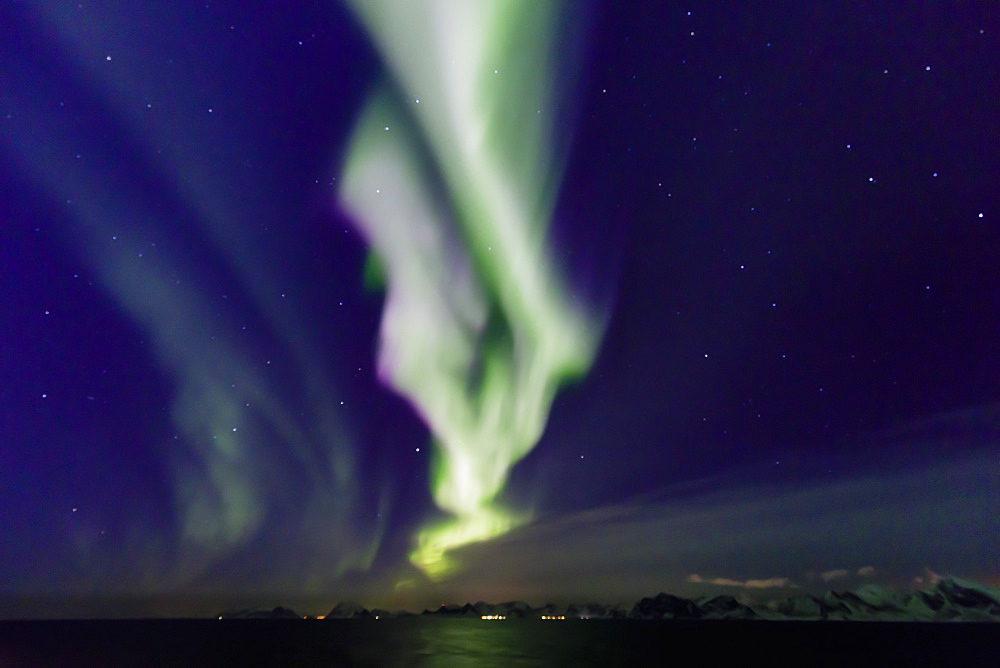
(451, 176)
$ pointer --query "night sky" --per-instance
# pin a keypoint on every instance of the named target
(772, 232)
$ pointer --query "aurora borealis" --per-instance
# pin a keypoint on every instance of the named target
(667, 298)
(477, 330)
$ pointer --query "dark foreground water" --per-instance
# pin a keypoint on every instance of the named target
(467, 642)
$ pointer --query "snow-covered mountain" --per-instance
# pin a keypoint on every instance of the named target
(950, 599)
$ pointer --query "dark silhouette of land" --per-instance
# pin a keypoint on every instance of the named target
(953, 623)
(948, 600)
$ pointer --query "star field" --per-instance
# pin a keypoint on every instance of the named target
(783, 228)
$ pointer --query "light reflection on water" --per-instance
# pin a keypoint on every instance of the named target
(472, 642)
(455, 643)
(469, 642)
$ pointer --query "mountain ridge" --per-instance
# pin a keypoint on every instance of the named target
(948, 600)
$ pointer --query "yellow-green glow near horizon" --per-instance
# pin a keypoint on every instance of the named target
(451, 176)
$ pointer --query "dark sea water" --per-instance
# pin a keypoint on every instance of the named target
(471, 642)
